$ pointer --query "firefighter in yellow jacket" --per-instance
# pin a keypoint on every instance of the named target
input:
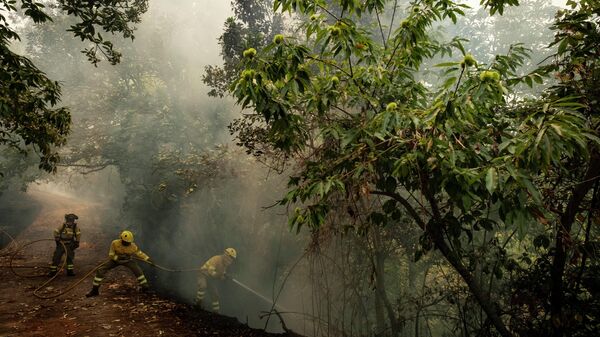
(214, 269)
(67, 238)
(123, 252)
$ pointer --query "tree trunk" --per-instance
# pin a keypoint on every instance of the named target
(379, 315)
(380, 282)
(482, 298)
(417, 317)
(435, 232)
(563, 237)
(412, 274)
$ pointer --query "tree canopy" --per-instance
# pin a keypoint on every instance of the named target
(29, 101)
(444, 168)
(376, 140)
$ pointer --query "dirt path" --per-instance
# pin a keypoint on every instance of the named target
(120, 310)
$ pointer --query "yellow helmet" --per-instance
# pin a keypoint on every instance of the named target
(231, 252)
(127, 236)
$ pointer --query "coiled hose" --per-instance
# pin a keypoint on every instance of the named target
(15, 251)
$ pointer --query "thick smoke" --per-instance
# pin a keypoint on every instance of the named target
(154, 104)
(119, 113)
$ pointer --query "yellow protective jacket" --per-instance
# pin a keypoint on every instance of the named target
(216, 266)
(120, 252)
(67, 233)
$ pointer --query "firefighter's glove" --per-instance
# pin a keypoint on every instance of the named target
(75, 245)
(115, 258)
(58, 243)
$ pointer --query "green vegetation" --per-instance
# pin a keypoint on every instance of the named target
(29, 112)
(501, 184)
(442, 161)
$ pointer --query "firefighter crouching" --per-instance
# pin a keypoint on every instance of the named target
(122, 253)
(67, 234)
(214, 269)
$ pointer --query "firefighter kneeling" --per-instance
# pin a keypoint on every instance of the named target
(214, 269)
(121, 254)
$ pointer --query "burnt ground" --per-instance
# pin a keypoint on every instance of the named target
(120, 310)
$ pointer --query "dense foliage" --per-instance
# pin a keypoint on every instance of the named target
(466, 159)
(443, 160)
(253, 25)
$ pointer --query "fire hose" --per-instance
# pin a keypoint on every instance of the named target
(13, 249)
(36, 292)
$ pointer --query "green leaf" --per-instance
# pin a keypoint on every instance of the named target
(349, 138)
(563, 46)
(557, 128)
(533, 191)
(447, 64)
(448, 83)
(487, 224)
(491, 180)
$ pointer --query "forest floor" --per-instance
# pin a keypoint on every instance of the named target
(120, 310)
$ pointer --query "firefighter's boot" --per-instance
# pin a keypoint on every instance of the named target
(93, 292)
(70, 272)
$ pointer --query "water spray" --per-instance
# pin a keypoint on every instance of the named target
(277, 306)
